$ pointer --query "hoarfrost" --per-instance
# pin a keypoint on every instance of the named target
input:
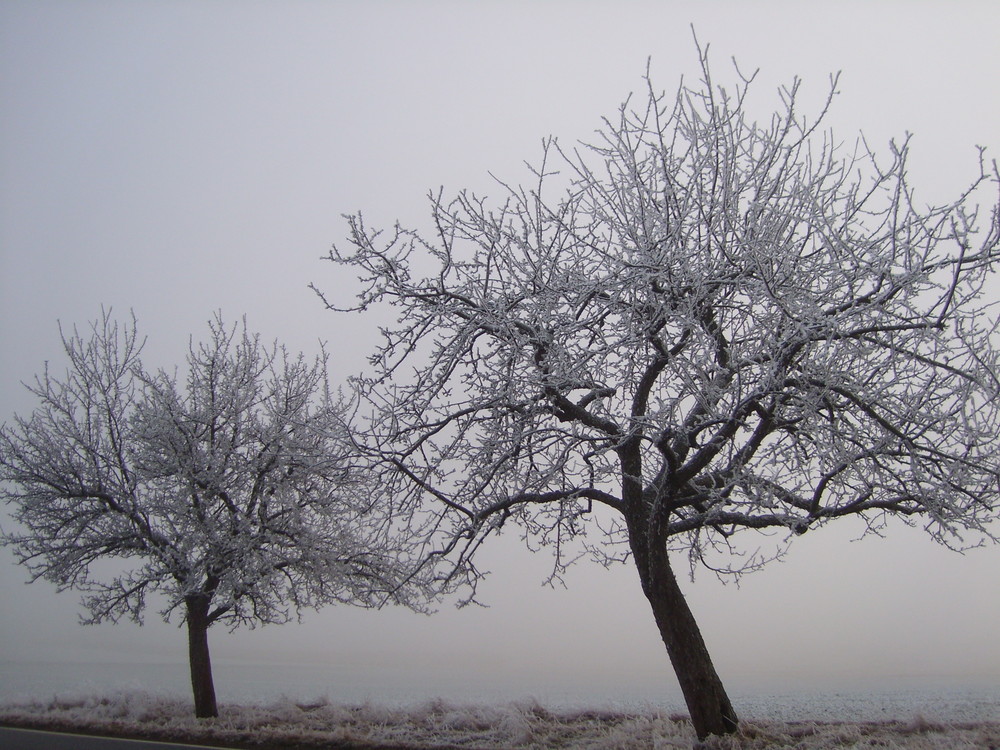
(526, 724)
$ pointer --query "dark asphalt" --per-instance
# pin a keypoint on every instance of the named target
(33, 739)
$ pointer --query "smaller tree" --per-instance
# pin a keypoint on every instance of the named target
(232, 494)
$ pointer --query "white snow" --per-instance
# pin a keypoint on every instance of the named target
(525, 724)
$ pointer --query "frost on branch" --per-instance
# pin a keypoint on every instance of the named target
(235, 494)
(716, 323)
(701, 324)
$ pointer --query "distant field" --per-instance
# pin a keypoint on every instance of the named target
(437, 724)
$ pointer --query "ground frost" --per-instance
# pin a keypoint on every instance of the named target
(526, 725)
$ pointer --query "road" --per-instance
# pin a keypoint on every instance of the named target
(32, 739)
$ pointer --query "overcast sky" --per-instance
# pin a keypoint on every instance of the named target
(175, 158)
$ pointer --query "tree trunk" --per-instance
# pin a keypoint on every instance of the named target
(201, 664)
(709, 705)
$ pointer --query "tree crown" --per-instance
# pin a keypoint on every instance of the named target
(716, 325)
(236, 486)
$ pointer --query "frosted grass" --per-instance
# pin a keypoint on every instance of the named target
(257, 684)
(438, 723)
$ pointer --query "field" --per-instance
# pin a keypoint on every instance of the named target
(436, 724)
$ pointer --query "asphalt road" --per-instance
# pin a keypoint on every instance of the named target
(33, 739)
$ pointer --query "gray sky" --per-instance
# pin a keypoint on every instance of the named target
(175, 158)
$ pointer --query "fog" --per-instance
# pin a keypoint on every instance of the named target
(177, 158)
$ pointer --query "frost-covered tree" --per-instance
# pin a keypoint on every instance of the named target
(232, 493)
(696, 326)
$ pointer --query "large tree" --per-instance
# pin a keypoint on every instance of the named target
(696, 326)
(232, 493)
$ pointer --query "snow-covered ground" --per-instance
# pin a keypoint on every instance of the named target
(526, 725)
(940, 700)
(280, 703)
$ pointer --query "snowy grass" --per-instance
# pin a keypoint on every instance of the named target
(438, 724)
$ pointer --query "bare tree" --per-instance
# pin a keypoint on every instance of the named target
(232, 494)
(715, 325)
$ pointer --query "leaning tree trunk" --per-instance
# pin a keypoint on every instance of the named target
(201, 664)
(709, 705)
